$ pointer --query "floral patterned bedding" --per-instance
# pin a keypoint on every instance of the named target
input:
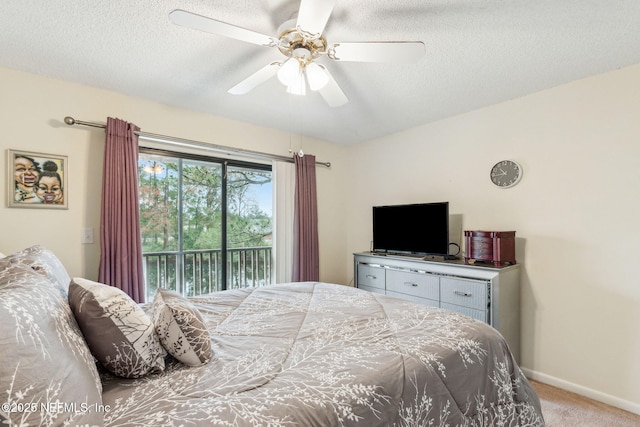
(317, 354)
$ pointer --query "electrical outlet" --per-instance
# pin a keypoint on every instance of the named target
(87, 235)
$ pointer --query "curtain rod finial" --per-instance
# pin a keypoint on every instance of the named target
(70, 120)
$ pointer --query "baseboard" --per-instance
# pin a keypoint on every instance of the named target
(583, 391)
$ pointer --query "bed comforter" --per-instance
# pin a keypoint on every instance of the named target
(316, 354)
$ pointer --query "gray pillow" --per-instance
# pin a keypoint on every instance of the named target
(47, 373)
(181, 329)
(43, 261)
(119, 333)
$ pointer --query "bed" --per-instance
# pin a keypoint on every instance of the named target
(296, 354)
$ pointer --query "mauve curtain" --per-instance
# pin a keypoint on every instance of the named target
(306, 259)
(120, 243)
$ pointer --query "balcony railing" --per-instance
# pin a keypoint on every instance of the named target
(198, 272)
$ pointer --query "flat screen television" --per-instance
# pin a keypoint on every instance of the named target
(421, 229)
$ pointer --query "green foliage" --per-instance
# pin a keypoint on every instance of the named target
(187, 195)
(158, 205)
(201, 196)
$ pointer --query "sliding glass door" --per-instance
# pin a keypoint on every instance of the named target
(206, 223)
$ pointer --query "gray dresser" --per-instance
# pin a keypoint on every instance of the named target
(487, 293)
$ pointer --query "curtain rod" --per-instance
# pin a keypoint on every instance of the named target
(191, 143)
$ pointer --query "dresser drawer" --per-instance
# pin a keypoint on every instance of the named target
(417, 300)
(371, 276)
(371, 289)
(471, 312)
(464, 292)
(412, 283)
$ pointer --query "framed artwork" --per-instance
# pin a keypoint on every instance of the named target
(36, 180)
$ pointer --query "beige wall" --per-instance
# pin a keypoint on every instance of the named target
(575, 213)
(32, 109)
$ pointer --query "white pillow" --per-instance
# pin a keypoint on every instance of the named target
(181, 328)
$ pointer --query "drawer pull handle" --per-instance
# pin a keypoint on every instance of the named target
(371, 277)
(414, 285)
(463, 293)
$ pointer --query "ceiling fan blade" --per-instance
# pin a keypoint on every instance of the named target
(256, 79)
(332, 93)
(313, 16)
(208, 25)
(405, 52)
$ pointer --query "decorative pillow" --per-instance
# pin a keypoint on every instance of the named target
(43, 261)
(48, 374)
(181, 329)
(119, 333)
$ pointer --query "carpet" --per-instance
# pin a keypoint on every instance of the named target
(562, 408)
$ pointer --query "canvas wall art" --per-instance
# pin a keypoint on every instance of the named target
(36, 180)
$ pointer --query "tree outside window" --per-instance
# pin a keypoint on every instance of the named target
(206, 223)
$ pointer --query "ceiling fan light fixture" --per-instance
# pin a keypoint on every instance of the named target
(289, 71)
(298, 86)
(316, 76)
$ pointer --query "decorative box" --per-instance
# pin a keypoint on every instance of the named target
(497, 247)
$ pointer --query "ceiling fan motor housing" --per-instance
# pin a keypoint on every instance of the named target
(293, 43)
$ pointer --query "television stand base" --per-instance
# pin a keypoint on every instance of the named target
(417, 256)
(440, 257)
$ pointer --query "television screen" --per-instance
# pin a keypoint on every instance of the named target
(413, 229)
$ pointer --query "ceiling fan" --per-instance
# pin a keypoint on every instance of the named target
(302, 42)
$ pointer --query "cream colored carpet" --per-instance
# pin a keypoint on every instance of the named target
(565, 409)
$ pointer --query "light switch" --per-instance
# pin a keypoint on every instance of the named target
(87, 235)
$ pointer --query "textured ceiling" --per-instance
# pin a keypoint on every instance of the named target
(478, 53)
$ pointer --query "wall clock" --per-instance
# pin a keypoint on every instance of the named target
(506, 173)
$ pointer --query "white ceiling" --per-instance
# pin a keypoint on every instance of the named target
(478, 53)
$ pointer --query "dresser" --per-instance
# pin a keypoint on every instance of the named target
(487, 293)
